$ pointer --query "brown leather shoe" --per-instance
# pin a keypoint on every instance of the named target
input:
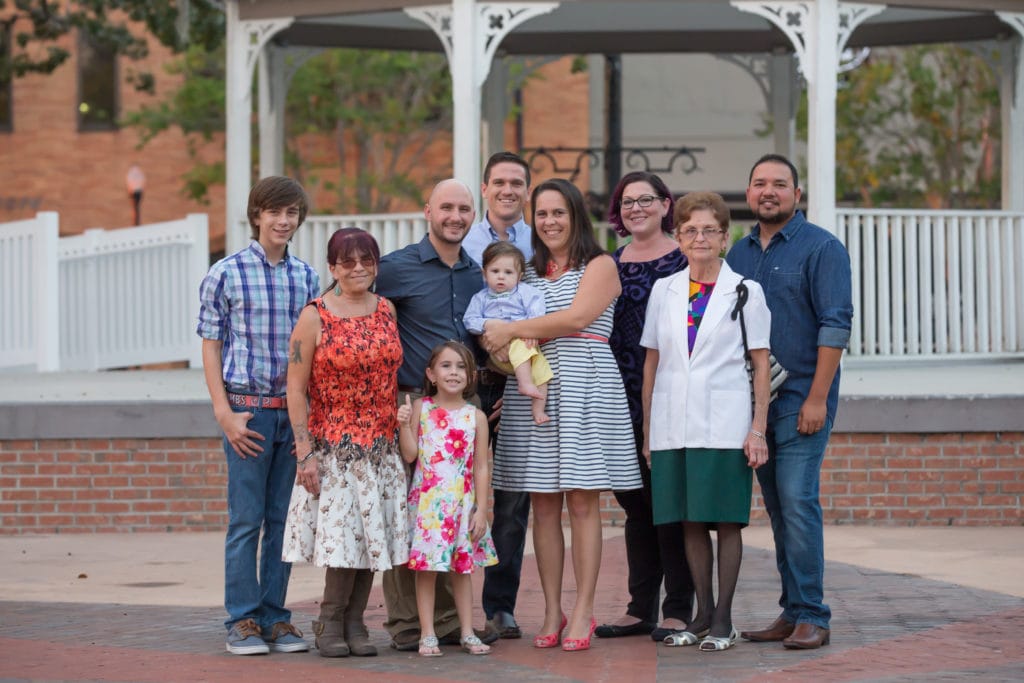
(779, 630)
(806, 637)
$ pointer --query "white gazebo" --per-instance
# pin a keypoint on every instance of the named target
(979, 308)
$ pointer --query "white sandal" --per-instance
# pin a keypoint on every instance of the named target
(430, 647)
(474, 646)
(684, 638)
(718, 643)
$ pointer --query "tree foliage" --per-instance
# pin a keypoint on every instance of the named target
(383, 110)
(919, 126)
(38, 26)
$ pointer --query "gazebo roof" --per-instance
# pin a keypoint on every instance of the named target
(603, 26)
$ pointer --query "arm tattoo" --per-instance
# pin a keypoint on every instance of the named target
(301, 433)
(296, 352)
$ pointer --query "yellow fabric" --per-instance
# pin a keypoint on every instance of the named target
(519, 353)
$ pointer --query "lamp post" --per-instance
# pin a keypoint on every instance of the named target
(135, 181)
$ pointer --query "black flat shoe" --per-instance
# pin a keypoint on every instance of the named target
(659, 634)
(640, 628)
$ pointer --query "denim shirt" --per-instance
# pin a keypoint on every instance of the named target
(805, 275)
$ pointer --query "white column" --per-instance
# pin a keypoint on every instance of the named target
(245, 40)
(277, 67)
(495, 109)
(818, 31)
(823, 60)
(1011, 97)
(784, 92)
(470, 34)
(465, 94)
(271, 92)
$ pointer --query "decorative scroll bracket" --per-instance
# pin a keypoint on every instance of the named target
(493, 23)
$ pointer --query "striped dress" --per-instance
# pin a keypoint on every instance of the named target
(588, 444)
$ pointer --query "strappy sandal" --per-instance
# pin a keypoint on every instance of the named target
(429, 647)
(718, 643)
(684, 638)
(474, 645)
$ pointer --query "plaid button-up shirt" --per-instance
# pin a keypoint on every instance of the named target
(252, 307)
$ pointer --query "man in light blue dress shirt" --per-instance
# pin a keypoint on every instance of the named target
(505, 190)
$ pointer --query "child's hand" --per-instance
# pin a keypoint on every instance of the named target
(477, 525)
(405, 413)
(529, 343)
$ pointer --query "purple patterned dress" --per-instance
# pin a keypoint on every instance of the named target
(637, 281)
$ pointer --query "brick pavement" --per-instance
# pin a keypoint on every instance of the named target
(887, 627)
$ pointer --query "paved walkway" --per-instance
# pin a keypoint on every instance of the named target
(909, 605)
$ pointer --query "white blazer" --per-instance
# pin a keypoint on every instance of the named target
(702, 400)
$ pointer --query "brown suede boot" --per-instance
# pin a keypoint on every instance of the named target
(355, 630)
(330, 638)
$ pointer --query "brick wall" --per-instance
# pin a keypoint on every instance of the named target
(97, 485)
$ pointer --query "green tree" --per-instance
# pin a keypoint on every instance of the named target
(383, 110)
(38, 26)
(918, 126)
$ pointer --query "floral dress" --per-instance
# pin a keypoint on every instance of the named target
(441, 499)
(359, 519)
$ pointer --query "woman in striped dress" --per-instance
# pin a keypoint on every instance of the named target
(587, 447)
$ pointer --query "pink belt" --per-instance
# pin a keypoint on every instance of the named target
(581, 335)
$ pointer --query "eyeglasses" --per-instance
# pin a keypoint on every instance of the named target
(707, 233)
(644, 201)
(350, 263)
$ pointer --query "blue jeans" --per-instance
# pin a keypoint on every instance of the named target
(789, 484)
(258, 493)
(501, 581)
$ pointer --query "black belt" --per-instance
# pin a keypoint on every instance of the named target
(409, 389)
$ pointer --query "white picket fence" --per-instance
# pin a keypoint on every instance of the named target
(926, 284)
(930, 284)
(392, 231)
(29, 328)
(113, 298)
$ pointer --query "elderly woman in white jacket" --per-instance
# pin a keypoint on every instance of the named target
(699, 434)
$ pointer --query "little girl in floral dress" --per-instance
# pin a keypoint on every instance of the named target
(449, 530)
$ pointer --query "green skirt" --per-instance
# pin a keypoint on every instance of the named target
(701, 485)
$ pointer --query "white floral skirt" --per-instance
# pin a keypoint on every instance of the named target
(359, 521)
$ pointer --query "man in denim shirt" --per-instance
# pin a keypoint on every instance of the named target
(805, 273)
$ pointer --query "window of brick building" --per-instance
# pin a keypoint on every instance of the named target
(6, 105)
(97, 85)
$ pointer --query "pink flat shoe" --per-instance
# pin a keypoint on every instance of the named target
(550, 639)
(577, 644)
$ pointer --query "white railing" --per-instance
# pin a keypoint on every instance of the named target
(131, 296)
(102, 299)
(29, 332)
(935, 283)
(392, 231)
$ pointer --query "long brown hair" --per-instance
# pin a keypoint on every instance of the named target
(467, 357)
(583, 245)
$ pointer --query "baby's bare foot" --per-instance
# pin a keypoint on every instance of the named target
(530, 390)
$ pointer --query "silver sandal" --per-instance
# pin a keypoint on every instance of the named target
(475, 646)
(431, 646)
(718, 643)
(684, 638)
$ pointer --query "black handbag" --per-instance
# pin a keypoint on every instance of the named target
(776, 373)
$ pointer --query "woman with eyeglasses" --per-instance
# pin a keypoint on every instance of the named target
(699, 434)
(641, 208)
(344, 356)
